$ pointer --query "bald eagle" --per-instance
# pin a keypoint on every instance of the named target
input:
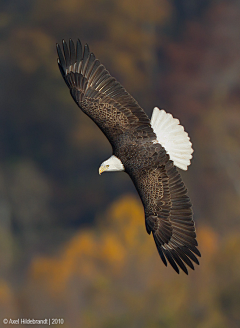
(148, 151)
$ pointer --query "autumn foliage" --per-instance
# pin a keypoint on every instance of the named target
(114, 277)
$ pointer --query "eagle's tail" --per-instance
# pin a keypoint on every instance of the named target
(171, 135)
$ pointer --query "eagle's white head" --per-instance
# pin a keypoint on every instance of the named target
(111, 164)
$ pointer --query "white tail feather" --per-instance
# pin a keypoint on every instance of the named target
(171, 135)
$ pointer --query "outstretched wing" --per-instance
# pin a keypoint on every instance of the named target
(168, 212)
(100, 96)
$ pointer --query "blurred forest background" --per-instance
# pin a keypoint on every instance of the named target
(73, 244)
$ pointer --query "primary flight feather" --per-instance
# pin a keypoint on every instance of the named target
(148, 151)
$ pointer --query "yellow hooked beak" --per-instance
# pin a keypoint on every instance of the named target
(103, 168)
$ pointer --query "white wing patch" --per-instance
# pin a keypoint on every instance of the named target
(171, 135)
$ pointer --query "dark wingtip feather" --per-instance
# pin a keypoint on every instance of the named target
(184, 257)
(86, 48)
(160, 252)
(195, 250)
(72, 52)
(79, 51)
(66, 53)
(188, 252)
(178, 260)
(86, 54)
(171, 260)
(162, 256)
(61, 59)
